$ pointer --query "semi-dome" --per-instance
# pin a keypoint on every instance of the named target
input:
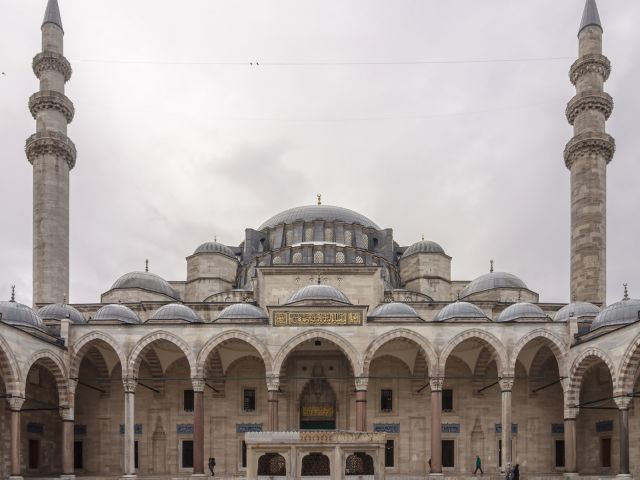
(521, 311)
(491, 281)
(462, 310)
(215, 247)
(146, 281)
(176, 311)
(20, 315)
(423, 246)
(318, 292)
(117, 312)
(621, 313)
(394, 310)
(576, 309)
(240, 311)
(59, 311)
(309, 213)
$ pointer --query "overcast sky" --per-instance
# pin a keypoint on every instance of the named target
(179, 138)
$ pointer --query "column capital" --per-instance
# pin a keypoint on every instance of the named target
(623, 403)
(73, 385)
(361, 383)
(571, 413)
(67, 414)
(273, 382)
(198, 384)
(436, 383)
(15, 403)
(129, 384)
(506, 384)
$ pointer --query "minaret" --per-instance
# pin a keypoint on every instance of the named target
(587, 156)
(52, 155)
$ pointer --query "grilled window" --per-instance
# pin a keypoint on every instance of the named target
(249, 400)
(386, 400)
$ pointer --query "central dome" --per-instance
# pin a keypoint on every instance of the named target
(309, 213)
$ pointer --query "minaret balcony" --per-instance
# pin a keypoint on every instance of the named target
(52, 61)
(51, 100)
(589, 64)
(589, 100)
(53, 143)
(589, 143)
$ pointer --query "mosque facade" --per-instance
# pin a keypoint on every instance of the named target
(319, 325)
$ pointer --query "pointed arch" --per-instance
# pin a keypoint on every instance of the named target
(556, 345)
(52, 362)
(80, 348)
(629, 366)
(404, 334)
(218, 340)
(581, 364)
(346, 347)
(135, 357)
(9, 370)
(486, 337)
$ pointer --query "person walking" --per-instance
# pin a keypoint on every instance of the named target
(478, 466)
(515, 475)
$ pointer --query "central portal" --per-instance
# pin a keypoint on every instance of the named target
(318, 403)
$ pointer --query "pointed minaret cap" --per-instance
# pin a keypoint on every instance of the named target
(590, 16)
(52, 14)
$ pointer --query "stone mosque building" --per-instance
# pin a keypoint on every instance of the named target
(319, 347)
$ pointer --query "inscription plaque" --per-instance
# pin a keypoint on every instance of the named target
(304, 319)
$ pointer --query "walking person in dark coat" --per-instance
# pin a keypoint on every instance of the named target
(515, 475)
(478, 465)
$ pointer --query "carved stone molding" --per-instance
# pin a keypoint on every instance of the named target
(361, 383)
(436, 383)
(623, 403)
(51, 100)
(273, 383)
(589, 100)
(589, 64)
(129, 384)
(67, 414)
(51, 61)
(506, 384)
(589, 143)
(15, 403)
(198, 384)
(571, 413)
(51, 143)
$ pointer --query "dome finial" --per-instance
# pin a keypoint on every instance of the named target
(423, 237)
(64, 299)
(146, 265)
(319, 195)
(519, 296)
(626, 291)
(490, 266)
(13, 293)
(215, 238)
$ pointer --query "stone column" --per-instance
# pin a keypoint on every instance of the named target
(436, 425)
(198, 426)
(130, 384)
(570, 449)
(623, 404)
(506, 386)
(361, 403)
(68, 423)
(15, 404)
(273, 387)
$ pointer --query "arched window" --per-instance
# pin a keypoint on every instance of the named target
(272, 465)
(289, 236)
(318, 257)
(297, 257)
(359, 464)
(363, 240)
(340, 257)
(277, 260)
(348, 238)
(328, 234)
(308, 235)
(359, 259)
(315, 465)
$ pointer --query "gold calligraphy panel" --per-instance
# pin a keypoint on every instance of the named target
(317, 411)
(315, 319)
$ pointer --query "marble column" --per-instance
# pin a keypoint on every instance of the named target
(15, 404)
(198, 426)
(130, 385)
(436, 425)
(506, 386)
(273, 388)
(361, 403)
(623, 404)
(570, 448)
(68, 423)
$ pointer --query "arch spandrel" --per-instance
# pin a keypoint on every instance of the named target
(401, 334)
(238, 335)
(135, 357)
(629, 368)
(80, 348)
(52, 362)
(9, 369)
(581, 364)
(556, 345)
(485, 337)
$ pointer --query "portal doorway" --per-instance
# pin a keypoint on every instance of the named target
(318, 403)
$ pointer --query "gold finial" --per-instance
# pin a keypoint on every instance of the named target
(490, 266)
(146, 265)
(319, 195)
(626, 291)
(215, 239)
(13, 293)
(423, 237)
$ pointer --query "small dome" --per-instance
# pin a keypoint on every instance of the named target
(240, 311)
(394, 309)
(176, 311)
(521, 311)
(459, 310)
(215, 247)
(620, 313)
(20, 315)
(309, 213)
(117, 312)
(58, 311)
(146, 281)
(318, 292)
(424, 246)
(576, 309)
(491, 281)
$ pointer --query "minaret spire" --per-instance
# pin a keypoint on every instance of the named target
(52, 155)
(587, 156)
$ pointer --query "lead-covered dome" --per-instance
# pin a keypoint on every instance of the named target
(116, 312)
(576, 309)
(423, 246)
(20, 315)
(242, 311)
(309, 213)
(462, 310)
(318, 292)
(522, 311)
(146, 281)
(59, 311)
(215, 247)
(621, 313)
(176, 311)
(492, 281)
(394, 310)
